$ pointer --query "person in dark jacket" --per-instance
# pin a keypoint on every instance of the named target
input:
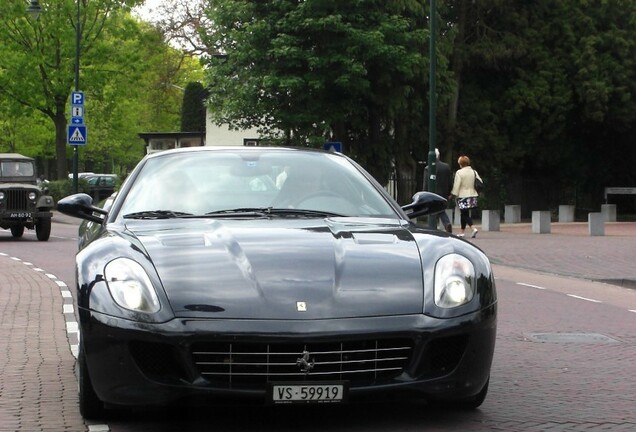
(443, 180)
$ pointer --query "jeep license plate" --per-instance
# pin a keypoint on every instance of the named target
(21, 215)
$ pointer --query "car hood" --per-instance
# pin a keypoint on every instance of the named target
(285, 269)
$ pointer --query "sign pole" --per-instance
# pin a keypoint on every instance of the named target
(77, 69)
(432, 99)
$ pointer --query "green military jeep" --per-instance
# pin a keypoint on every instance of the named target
(23, 203)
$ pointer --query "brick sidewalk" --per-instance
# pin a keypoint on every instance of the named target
(38, 389)
(568, 250)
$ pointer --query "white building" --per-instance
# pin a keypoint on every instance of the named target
(214, 135)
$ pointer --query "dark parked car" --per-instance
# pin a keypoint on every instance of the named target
(204, 280)
(101, 186)
(24, 199)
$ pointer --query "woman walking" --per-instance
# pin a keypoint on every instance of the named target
(465, 193)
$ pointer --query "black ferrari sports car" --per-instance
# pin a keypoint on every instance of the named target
(278, 276)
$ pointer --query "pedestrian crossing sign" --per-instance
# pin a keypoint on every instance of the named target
(77, 135)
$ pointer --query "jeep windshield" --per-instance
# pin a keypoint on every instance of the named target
(13, 169)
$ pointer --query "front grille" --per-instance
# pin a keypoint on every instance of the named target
(17, 200)
(360, 362)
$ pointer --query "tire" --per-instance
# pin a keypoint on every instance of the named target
(91, 408)
(43, 229)
(17, 231)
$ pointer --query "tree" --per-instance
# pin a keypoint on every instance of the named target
(37, 58)
(323, 70)
(183, 22)
(127, 72)
(193, 113)
(542, 88)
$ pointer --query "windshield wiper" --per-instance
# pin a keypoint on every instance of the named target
(270, 211)
(301, 212)
(243, 211)
(156, 214)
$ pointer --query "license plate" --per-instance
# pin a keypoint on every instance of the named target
(20, 215)
(288, 393)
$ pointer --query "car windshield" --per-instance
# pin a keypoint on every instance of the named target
(252, 184)
(16, 169)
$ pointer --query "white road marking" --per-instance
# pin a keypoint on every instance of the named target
(531, 286)
(584, 298)
(569, 295)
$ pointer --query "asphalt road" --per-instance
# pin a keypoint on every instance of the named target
(564, 360)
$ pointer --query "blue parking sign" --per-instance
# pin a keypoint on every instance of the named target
(77, 98)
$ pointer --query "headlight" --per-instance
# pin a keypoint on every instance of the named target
(32, 196)
(1, 196)
(454, 275)
(130, 286)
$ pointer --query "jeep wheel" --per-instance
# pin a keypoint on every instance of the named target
(43, 229)
(17, 231)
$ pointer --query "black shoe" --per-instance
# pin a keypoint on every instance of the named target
(449, 228)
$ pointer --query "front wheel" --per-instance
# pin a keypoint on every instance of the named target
(43, 229)
(17, 231)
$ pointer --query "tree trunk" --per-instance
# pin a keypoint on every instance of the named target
(61, 169)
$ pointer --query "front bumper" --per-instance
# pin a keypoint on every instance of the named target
(135, 364)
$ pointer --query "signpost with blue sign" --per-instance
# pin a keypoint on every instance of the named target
(77, 134)
(334, 146)
(77, 131)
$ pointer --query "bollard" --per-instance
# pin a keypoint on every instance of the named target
(457, 219)
(541, 222)
(566, 213)
(490, 220)
(512, 214)
(596, 224)
(609, 212)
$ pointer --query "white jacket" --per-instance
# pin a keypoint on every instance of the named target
(464, 183)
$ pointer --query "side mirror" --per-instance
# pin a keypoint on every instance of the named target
(425, 203)
(81, 206)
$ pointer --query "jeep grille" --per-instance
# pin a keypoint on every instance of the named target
(17, 200)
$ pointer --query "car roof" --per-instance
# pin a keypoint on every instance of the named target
(14, 156)
(241, 149)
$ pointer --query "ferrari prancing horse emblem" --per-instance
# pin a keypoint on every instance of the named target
(301, 306)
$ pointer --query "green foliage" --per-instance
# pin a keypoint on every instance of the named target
(538, 90)
(548, 92)
(59, 189)
(320, 70)
(127, 72)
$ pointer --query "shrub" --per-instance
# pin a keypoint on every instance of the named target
(59, 189)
